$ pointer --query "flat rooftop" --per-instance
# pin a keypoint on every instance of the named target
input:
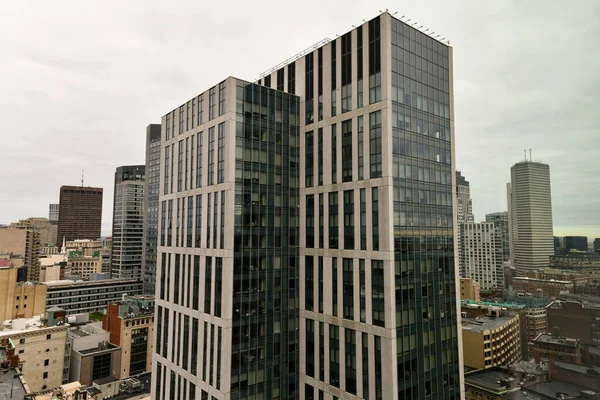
(553, 388)
(485, 323)
(491, 378)
(8, 381)
(548, 338)
(68, 282)
(528, 279)
(22, 325)
(579, 368)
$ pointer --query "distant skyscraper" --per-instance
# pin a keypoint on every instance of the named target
(597, 244)
(151, 206)
(80, 213)
(464, 213)
(530, 210)
(579, 243)
(500, 220)
(481, 253)
(464, 204)
(306, 228)
(128, 223)
(53, 213)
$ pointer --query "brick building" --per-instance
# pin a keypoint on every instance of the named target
(80, 213)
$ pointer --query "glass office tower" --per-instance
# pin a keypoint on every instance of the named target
(344, 287)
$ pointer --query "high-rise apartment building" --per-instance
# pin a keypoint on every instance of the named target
(22, 242)
(45, 229)
(481, 254)
(151, 207)
(530, 216)
(128, 222)
(306, 245)
(80, 213)
(500, 220)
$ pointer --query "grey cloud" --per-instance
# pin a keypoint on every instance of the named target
(81, 80)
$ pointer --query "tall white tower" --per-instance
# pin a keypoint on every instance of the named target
(530, 215)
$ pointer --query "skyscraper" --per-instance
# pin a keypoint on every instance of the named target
(128, 222)
(306, 245)
(151, 206)
(80, 213)
(500, 220)
(481, 253)
(530, 215)
(464, 215)
(464, 204)
(579, 243)
(53, 213)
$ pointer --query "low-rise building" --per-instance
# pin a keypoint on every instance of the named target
(131, 326)
(493, 383)
(19, 299)
(550, 288)
(579, 279)
(584, 263)
(89, 296)
(582, 375)
(577, 316)
(40, 348)
(469, 289)
(554, 347)
(85, 266)
(492, 339)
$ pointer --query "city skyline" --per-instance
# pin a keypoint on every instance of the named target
(141, 74)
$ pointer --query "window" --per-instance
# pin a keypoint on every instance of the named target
(346, 72)
(221, 98)
(374, 61)
(222, 241)
(334, 287)
(361, 149)
(309, 278)
(333, 79)
(320, 82)
(200, 110)
(48, 336)
(198, 238)
(363, 219)
(362, 291)
(375, 217)
(211, 155)
(190, 221)
(365, 365)
(207, 285)
(291, 89)
(348, 288)
(310, 220)
(181, 130)
(334, 356)
(359, 67)
(309, 89)
(221, 154)
(22, 341)
(321, 222)
(211, 103)
(377, 288)
(333, 153)
(375, 144)
(349, 219)
(308, 159)
(320, 155)
(167, 155)
(347, 150)
(218, 285)
(321, 293)
(100, 366)
(333, 220)
(350, 355)
(199, 160)
(378, 369)
(45, 375)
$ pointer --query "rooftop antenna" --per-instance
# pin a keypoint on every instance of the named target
(530, 159)
(525, 153)
(82, 178)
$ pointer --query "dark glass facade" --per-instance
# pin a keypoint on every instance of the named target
(426, 322)
(265, 277)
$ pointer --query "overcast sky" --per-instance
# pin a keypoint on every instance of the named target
(80, 80)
